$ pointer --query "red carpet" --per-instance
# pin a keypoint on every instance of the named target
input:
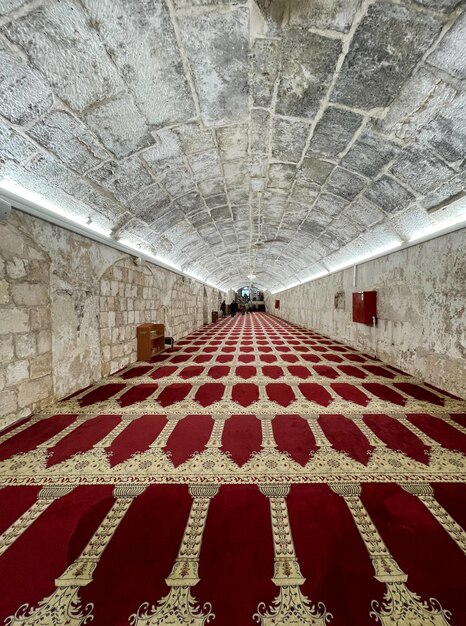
(259, 473)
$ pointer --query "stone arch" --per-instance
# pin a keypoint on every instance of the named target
(130, 295)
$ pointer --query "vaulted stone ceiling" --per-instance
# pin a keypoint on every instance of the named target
(193, 128)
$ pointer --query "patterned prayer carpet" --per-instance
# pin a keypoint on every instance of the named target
(258, 473)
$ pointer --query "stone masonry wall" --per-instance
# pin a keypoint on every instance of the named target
(421, 302)
(25, 327)
(128, 297)
(132, 295)
(69, 309)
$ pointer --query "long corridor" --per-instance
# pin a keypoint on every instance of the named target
(256, 473)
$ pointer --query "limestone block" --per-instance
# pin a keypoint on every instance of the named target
(259, 131)
(114, 286)
(6, 349)
(150, 203)
(39, 318)
(16, 268)
(142, 43)
(106, 353)
(315, 170)
(447, 132)
(64, 47)
(265, 65)
(115, 366)
(32, 391)
(11, 5)
(4, 292)
(422, 98)
(205, 165)
(281, 176)
(212, 187)
(14, 321)
(177, 181)
(333, 132)
(9, 403)
(391, 36)
(124, 179)
(452, 188)
(364, 212)
(117, 350)
(70, 139)
(345, 184)
(369, 154)
(421, 170)
(324, 14)
(41, 365)
(103, 319)
(439, 5)
(233, 142)
(30, 294)
(25, 346)
(194, 139)
(17, 372)
(38, 271)
(309, 62)
(450, 53)
(44, 341)
(311, 228)
(25, 95)
(389, 194)
(288, 139)
(105, 336)
(222, 83)
(343, 229)
(13, 146)
(329, 205)
(305, 192)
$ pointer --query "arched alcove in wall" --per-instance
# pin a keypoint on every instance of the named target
(129, 295)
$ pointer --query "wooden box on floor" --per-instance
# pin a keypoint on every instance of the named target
(151, 340)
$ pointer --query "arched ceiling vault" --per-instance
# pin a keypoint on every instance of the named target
(193, 128)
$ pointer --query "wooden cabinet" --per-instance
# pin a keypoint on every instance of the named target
(151, 340)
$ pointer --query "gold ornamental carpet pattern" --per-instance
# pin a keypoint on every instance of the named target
(259, 473)
(251, 399)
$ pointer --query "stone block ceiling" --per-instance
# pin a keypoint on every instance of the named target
(194, 128)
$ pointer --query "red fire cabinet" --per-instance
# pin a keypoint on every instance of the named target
(364, 306)
(277, 304)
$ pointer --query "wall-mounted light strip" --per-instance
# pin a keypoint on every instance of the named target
(437, 229)
(368, 256)
(360, 259)
(448, 226)
(37, 206)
